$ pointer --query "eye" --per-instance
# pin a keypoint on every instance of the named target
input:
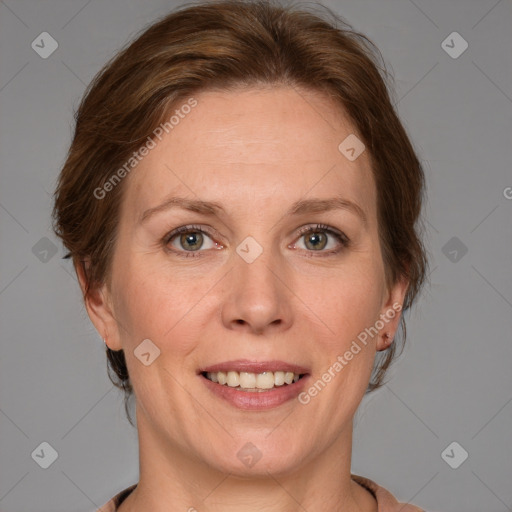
(320, 237)
(189, 239)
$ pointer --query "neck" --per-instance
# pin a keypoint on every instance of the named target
(171, 480)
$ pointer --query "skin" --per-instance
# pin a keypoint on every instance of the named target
(254, 151)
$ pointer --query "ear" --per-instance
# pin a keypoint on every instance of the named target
(98, 305)
(391, 313)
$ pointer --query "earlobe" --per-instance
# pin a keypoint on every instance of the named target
(387, 339)
(98, 307)
(391, 313)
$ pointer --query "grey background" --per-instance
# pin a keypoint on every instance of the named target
(454, 381)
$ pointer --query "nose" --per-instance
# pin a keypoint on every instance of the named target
(257, 298)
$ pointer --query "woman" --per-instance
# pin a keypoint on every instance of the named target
(241, 201)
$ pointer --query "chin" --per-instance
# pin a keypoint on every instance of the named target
(253, 456)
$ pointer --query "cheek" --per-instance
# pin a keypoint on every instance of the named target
(155, 304)
(346, 300)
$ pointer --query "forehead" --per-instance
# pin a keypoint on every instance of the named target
(250, 147)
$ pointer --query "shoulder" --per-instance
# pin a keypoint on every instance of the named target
(111, 506)
(385, 500)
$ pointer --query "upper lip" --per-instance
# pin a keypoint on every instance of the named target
(244, 365)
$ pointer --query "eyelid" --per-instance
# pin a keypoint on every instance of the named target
(191, 228)
(342, 239)
(323, 228)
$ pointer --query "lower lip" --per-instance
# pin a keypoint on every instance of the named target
(256, 400)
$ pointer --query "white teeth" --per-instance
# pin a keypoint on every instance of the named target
(252, 381)
(288, 377)
(247, 380)
(233, 379)
(278, 378)
(265, 380)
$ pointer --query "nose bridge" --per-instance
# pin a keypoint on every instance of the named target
(255, 266)
(256, 296)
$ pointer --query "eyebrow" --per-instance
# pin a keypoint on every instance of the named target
(300, 207)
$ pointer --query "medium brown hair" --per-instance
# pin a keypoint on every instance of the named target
(224, 45)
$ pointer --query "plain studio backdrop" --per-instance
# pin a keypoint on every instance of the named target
(439, 433)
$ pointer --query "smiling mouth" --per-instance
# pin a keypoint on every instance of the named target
(253, 382)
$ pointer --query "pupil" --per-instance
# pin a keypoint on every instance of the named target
(193, 239)
(319, 240)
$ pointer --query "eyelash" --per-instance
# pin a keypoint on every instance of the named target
(319, 228)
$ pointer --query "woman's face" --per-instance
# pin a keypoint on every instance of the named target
(243, 289)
